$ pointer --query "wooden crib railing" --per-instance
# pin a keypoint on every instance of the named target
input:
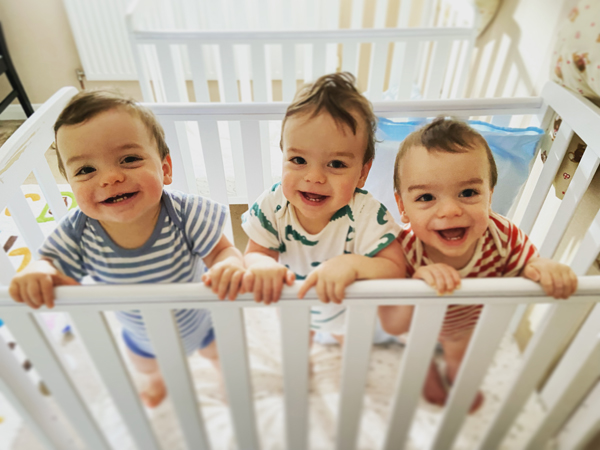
(575, 375)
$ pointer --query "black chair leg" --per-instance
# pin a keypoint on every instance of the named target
(13, 79)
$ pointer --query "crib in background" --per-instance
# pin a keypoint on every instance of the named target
(170, 45)
(575, 375)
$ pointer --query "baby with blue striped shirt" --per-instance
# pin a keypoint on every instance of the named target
(127, 229)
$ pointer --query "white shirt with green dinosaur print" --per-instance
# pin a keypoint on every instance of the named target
(363, 227)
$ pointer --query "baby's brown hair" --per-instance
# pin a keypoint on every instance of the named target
(445, 135)
(87, 104)
(338, 95)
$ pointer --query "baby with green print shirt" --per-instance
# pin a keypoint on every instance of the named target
(318, 225)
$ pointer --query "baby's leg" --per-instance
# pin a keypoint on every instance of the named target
(454, 352)
(154, 391)
(210, 352)
(395, 320)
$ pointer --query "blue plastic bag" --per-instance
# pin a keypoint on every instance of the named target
(513, 150)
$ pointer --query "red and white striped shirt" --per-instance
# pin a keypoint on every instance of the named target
(503, 251)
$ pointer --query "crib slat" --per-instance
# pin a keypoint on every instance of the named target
(295, 324)
(583, 425)
(583, 360)
(44, 177)
(29, 403)
(404, 13)
(253, 159)
(233, 355)
(7, 270)
(169, 74)
(437, 72)
(183, 168)
(318, 61)
(102, 348)
(237, 152)
(167, 345)
(350, 57)
(555, 157)
(288, 57)
(380, 13)
(196, 58)
(213, 160)
(377, 73)
(243, 64)
(26, 223)
(490, 329)
(259, 72)
(538, 355)
(355, 364)
(357, 14)
(579, 184)
(30, 336)
(407, 76)
(422, 337)
(228, 73)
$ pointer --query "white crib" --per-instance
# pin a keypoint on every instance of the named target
(577, 372)
(170, 45)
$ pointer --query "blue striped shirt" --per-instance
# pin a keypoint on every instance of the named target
(187, 230)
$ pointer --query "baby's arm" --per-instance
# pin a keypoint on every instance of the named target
(226, 265)
(264, 275)
(332, 276)
(558, 280)
(34, 286)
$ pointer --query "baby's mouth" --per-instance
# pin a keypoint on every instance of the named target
(119, 198)
(315, 198)
(452, 234)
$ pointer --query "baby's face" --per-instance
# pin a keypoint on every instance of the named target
(113, 166)
(446, 197)
(322, 166)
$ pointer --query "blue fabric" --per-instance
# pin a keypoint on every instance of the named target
(133, 346)
(513, 150)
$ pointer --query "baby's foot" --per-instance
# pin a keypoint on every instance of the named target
(434, 390)
(154, 392)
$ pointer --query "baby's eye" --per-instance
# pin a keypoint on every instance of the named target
(298, 160)
(468, 193)
(425, 198)
(337, 164)
(130, 159)
(85, 170)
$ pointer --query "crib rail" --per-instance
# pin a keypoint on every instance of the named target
(245, 57)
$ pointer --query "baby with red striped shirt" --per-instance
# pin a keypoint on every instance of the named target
(444, 177)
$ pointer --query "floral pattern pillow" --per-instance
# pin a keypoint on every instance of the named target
(576, 57)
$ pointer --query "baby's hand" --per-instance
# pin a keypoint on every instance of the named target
(265, 279)
(34, 286)
(557, 280)
(443, 278)
(226, 277)
(330, 279)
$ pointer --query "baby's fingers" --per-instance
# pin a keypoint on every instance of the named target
(47, 292)
(310, 281)
(236, 284)
(223, 285)
(33, 297)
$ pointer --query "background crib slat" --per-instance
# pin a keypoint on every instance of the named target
(52, 194)
(433, 87)
(408, 64)
(228, 73)
(177, 139)
(167, 345)
(555, 157)
(583, 425)
(7, 270)
(579, 184)
(31, 406)
(355, 364)
(350, 57)
(490, 329)
(288, 56)
(173, 87)
(259, 72)
(318, 61)
(196, 58)
(213, 160)
(230, 335)
(379, 53)
(102, 348)
(35, 343)
(580, 368)
(25, 221)
(422, 337)
(253, 159)
(295, 336)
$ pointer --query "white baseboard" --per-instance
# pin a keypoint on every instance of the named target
(15, 112)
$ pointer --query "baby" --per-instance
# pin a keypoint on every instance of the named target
(318, 225)
(444, 177)
(127, 228)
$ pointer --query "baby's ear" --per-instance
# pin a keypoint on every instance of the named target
(400, 204)
(167, 167)
(364, 173)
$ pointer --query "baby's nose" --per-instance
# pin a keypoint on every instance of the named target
(112, 176)
(450, 208)
(315, 175)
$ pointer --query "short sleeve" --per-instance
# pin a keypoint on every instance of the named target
(259, 222)
(62, 246)
(521, 251)
(203, 221)
(375, 226)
